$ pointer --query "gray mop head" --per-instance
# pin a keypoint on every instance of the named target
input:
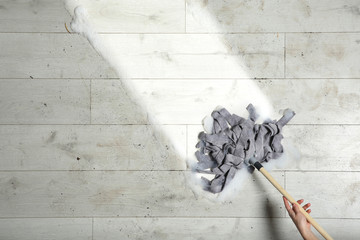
(233, 141)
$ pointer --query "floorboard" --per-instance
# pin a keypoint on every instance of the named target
(81, 160)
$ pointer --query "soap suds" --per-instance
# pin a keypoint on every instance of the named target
(82, 24)
(125, 53)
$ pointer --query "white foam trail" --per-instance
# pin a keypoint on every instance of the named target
(235, 186)
(123, 55)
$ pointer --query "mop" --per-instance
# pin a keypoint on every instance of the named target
(234, 143)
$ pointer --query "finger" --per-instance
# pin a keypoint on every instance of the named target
(287, 206)
(300, 201)
(306, 206)
(308, 211)
(296, 208)
(286, 203)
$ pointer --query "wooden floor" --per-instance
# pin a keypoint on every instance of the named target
(79, 159)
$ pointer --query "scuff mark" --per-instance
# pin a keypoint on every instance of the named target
(305, 8)
(355, 162)
(349, 101)
(352, 9)
(107, 196)
(334, 51)
(51, 137)
(353, 192)
(153, 17)
(14, 183)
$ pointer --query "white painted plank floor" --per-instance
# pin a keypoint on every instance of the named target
(79, 159)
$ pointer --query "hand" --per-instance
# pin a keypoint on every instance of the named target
(299, 219)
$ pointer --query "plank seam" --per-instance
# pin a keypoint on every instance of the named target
(285, 55)
(92, 228)
(195, 33)
(171, 170)
(187, 141)
(185, 79)
(175, 217)
(168, 124)
(185, 16)
(90, 99)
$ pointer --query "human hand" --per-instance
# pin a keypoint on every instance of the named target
(299, 219)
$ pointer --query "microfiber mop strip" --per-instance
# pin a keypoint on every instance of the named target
(234, 139)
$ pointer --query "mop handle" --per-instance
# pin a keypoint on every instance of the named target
(292, 200)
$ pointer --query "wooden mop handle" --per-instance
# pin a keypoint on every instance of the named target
(292, 200)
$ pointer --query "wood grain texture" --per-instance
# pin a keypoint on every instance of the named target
(33, 16)
(46, 228)
(29, 101)
(126, 16)
(91, 147)
(194, 228)
(272, 16)
(114, 103)
(316, 101)
(330, 55)
(332, 194)
(309, 147)
(169, 101)
(322, 147)
(63, 178)
(50, 56)
(197, 55)
(214, 228)
(129, 194)
(188, 101)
